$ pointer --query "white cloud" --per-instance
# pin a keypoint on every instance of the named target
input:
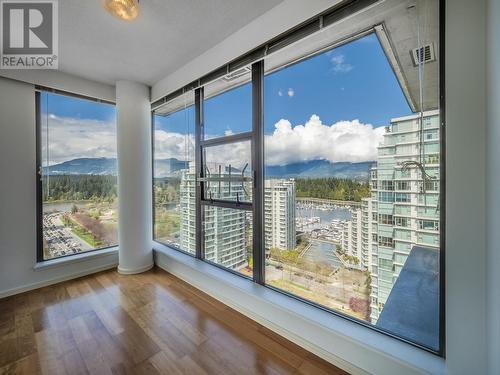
(291, 92)
(343, 141)
(174, 145)
(351, 141)
(339, 64)
(71, 138)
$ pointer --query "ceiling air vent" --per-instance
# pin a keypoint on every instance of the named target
(237, 74)
(423, 54)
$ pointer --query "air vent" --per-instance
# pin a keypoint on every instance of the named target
(423, 54)
(237, 74)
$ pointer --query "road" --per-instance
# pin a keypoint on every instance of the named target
(60, 239)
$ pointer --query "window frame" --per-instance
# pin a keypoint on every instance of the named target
(258, 113)
(39, 90)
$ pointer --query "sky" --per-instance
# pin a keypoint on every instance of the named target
(333, 106)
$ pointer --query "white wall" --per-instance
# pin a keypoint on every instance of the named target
(56, 79)
(465, 199)
(493, 185)
(18, 197)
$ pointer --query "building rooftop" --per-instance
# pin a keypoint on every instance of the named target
(412, 309)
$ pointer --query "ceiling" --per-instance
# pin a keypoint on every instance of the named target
(166, 35)
(400, 25)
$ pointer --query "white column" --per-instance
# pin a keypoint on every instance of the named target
(134, 177)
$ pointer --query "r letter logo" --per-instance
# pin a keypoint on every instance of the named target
(28, 34)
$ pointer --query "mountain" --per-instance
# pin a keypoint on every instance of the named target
(99, 166)
(171, 167)
(107, 166)
(322, 168)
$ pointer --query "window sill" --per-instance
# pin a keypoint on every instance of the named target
(348, 345)
(82, 257)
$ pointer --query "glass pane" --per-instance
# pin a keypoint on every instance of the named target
(174, 183)
(79, 186)
(228, 238)
(352, 147)
(229, 112)
(228, 171)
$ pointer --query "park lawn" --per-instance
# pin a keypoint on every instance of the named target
(316, 296)
(85, 236)
(167, 224)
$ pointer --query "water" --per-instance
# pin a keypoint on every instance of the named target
(62, 206)
(323, 252)
(325, 216)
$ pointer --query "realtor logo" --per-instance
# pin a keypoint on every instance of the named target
(28, 34)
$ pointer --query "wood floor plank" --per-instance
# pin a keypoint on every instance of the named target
(150, 323)
(28, 365)
(166, 365)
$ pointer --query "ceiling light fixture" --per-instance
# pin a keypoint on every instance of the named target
(127, 10)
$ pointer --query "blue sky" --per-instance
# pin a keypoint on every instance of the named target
(332, 101)
(65, 106)
(353, 81)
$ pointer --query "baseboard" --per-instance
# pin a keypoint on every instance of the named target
(56, 280)
(336, 361)
(125, 271)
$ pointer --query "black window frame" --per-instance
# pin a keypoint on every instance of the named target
(256, 58)
(39, 168)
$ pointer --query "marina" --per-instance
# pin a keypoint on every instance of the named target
(322, 223)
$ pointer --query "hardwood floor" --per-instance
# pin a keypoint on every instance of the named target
(151, 323)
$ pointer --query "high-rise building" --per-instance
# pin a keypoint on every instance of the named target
(404, 208)
(356, 237)
(279, 214)
(226, 229)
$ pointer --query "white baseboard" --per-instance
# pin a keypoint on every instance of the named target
(125, 271)
(55, 280)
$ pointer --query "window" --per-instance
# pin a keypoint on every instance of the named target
(428, 225)
(386, 185)
(306, 173)
(402, 185)
(174, 174)
(401, 221)
(385, 241)
(402, 198)
(226, 188)
(384, 196)
(77, 175)
(385, 219)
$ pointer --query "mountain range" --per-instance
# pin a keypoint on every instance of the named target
(171, 167)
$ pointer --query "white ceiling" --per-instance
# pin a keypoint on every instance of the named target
(166, 35)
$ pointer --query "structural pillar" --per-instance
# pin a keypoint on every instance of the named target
(134, 177)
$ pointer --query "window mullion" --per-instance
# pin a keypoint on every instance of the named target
(199, 137)
(258, 172)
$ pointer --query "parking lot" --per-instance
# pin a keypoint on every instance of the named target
(60, 239)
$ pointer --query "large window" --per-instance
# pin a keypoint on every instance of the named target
(319, 169)
(77, 175)
(174, 174)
